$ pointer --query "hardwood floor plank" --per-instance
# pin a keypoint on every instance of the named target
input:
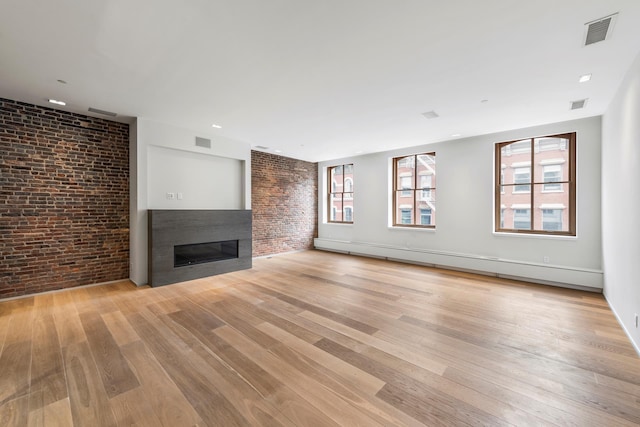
(15, 413)
(67, 320)
(252, 392)
(115, 373)
(88, 399)
(119, 328)
(165, 398)
(15, 362)
(367, 329)
(333, 406)
(400, 387)
(56, 414)
(48, 382)
(189, 374)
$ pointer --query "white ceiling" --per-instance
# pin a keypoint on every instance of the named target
(320, 79)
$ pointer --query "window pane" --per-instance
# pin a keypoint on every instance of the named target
(552, 174)
(348, 185)
(551, 154)
(336, 179)
(348, 213)
(558, 202)
(426, 164)
(336, 207)
(404, 207)
(522, 219)
(522, 176)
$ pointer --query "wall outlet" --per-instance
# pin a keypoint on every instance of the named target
(171, 196)
(636, 319)
(546, 259)
(179, 196)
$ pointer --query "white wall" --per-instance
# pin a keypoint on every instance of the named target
(464, 235)
(621, 202)
(164, 159)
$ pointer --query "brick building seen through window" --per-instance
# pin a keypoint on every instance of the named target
(536, 185)
(414, 190)
(340, 193)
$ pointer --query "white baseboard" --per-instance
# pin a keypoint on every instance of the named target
(555, 275)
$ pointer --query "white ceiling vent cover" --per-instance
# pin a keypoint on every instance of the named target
(203, 142)
(103, 112)
(599, 30)
(430, 114)
(576, 105)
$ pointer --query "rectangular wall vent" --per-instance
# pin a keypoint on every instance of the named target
(576, 105)
(103, 112)
(261, 147)
(203, 142)
(430, 114)
(599, 30)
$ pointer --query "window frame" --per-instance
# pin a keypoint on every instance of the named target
(570, 183)
(333, 191)
(416, 189)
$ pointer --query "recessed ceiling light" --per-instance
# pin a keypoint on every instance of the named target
(585, 78)
(359, 152)
(216, 126)
(455, 135)
(278, 151)
(53, 101)
(484, 100)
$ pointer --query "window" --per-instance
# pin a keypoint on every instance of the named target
(425, 216)
(348, 214)
(552, 219)
(414, 190)
(522, 219)
(340, 195)
(522, 176)
(535, 185)
(552, 174)
(405, 216)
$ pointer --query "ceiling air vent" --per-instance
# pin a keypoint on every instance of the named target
(203, 142)
(430, 114)
(599, 30)
(576, 105)
(103, 112)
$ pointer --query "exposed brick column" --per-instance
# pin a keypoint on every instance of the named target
(284, 200)
(64, 199)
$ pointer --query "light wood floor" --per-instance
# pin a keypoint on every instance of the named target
(317, 339)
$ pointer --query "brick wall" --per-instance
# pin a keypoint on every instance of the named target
(64, 199)
(284, 200)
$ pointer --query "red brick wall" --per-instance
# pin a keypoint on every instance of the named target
(64, 199)
(284, 200)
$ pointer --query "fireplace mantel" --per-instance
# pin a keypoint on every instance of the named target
(171, 228)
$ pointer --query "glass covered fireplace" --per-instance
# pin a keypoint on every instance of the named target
(200, 253)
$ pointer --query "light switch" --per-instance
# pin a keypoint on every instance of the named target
(179, 196)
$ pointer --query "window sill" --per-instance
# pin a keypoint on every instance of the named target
(534, 236)
(412, 228)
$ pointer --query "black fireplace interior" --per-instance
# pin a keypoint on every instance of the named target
(201, 253)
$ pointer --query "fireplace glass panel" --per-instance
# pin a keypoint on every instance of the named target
(200, 253)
